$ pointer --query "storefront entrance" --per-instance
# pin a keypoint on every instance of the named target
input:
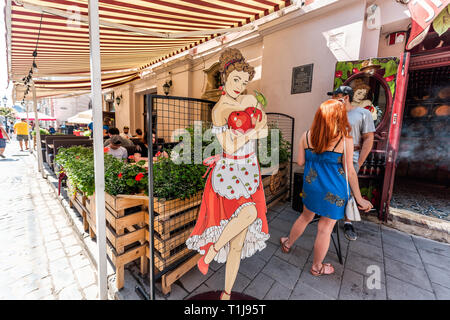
(422, 177)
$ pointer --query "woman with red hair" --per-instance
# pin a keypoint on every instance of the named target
(324, 192)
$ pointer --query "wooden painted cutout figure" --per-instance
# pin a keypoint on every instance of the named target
(232, 223)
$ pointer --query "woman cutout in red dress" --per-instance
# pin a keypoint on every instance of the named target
(232, 223)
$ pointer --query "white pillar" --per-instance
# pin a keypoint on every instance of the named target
(97, 115)
(37, 131)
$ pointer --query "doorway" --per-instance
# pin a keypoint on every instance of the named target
(422, 178)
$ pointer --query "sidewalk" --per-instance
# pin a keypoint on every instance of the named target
(41, 257)
(382, 264)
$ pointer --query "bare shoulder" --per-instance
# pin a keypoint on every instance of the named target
(221, 111)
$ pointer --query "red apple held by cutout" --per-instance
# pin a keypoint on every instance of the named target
(240, 121)
(254, 113)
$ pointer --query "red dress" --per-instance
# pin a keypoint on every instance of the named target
(234, 182)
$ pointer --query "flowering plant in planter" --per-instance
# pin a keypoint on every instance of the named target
(120, 177)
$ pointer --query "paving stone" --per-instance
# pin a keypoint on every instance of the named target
(278, 292)
(70, 293)
(401, 240)
(275, 236)
(55, 254)
(194, 278)
(442, 293)
(366, 250)
(202, 289)
(57, 265)
(260, 286)
(268, 251)
(367, 236)
(91, 292)
(217, 281)
(177, 293)
(85, 276)
(298, 256)
(404, 256)
(407, 273)
(38, 294)
(306, 241)
(363, 265)
(433, 246)
(79, 261)
(303, 291)
(438, 275)
(73, 250)
(332, 258)
(328, 285)
(400, 290)
(357, 287)
(52, 245)
(281, 225)
(250, 267)
(289, 216)
(282, 271)
(368, 226)
(435, 259)
(69, 241)
(62, 279)
(270, 215)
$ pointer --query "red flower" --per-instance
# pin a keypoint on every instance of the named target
(77, 157)
(390, 78)
(131, 157)
(139, 176)
(338, 74)
(158, 154)
(105, 149)
(355, 70)
(119, 175)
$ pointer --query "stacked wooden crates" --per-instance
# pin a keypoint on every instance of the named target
(173, 223)
(125, 231)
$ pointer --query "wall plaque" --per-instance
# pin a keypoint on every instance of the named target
(302, 79)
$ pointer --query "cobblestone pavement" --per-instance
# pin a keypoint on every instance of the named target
(40, 255)
(382, 264)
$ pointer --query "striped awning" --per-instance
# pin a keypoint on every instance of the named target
(134, 34)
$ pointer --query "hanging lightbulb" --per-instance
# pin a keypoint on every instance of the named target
(35, 68)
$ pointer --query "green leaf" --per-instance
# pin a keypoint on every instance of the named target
(442, 22)
(337, 82)
(390, 68)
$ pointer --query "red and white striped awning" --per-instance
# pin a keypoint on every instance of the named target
(134, 34)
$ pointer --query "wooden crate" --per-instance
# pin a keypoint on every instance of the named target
(167, 208)
(125, 231)
(77, 200)
(170, 277)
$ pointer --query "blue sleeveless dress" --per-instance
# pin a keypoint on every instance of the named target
(324, 184)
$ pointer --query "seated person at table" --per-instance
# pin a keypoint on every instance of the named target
(114, 132)
(126, 133)
(142, 148)
(116, 150)
(138, 134)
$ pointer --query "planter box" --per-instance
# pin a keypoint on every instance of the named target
(125, 231)
(167, 208)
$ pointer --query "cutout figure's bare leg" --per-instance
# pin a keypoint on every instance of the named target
(233, 262)
(235, 226)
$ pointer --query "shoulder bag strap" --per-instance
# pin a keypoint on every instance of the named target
(346, 172)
